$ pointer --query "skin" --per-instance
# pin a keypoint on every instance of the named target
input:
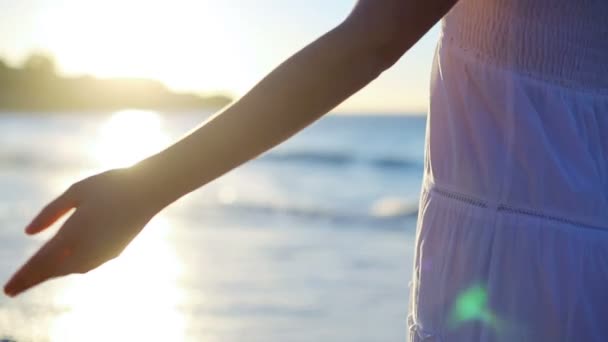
(111, 208)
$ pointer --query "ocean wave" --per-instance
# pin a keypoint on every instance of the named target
(300, 158)
(329, 158)
(384, 213)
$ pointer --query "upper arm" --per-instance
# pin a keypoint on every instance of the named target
(390, 27)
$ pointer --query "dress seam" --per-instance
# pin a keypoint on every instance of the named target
(506, 208)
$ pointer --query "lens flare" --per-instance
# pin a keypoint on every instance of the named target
(472, 305)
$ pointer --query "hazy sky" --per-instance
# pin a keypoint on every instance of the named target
(199, 45)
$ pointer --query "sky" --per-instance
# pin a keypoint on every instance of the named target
(199, 45)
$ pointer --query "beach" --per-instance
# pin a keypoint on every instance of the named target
(312, 241)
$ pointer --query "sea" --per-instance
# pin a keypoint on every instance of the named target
(311, 241)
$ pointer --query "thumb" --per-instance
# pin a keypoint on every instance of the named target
(53, 211)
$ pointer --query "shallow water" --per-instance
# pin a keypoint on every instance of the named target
(312, 241)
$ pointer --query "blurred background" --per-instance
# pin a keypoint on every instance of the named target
(312, 241)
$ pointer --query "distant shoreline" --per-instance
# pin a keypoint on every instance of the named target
(36, 87)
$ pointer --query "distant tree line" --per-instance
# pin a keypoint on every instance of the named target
(35, 86)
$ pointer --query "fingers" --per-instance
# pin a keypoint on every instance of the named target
(48, 262)
(52, 212)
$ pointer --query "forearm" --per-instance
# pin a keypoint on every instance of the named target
(299, 91)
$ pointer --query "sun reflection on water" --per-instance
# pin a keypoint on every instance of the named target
(136, 297)
(127, 137)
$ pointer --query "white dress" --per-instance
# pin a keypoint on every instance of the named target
(512, 234)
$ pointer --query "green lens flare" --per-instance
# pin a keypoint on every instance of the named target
(471, 305)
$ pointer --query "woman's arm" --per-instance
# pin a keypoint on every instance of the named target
(112, 207)
(299, 91)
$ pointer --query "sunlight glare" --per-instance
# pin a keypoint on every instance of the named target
(185, 44)
(137, 296)
(133, 298)
(129, 136)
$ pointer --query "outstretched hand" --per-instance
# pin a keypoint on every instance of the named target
(111, 209)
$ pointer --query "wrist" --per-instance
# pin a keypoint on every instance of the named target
(153, 184)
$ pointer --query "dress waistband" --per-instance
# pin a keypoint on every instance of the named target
(561, 41)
